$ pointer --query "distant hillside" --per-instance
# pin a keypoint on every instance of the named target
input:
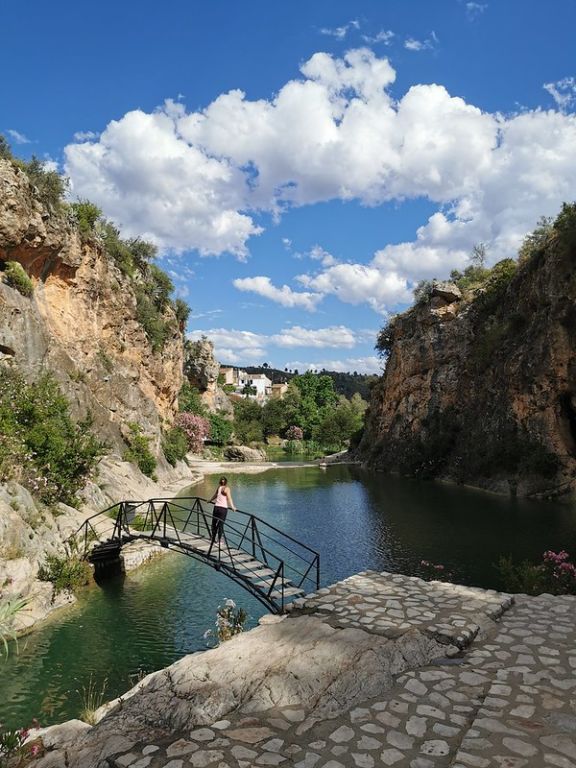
(344, 383)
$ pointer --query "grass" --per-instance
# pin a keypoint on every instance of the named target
(93, 696)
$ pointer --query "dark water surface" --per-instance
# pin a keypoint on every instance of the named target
(355, 519)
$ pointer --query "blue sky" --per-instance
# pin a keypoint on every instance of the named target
(301, 165)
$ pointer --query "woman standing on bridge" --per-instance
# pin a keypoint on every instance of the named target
(222, 499)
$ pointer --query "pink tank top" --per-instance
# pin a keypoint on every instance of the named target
(221, 497)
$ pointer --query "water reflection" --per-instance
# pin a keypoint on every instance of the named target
(355, 519)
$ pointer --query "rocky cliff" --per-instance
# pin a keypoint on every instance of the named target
(80, 322)
(480, 388)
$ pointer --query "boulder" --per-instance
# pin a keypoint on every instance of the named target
(447, 291)
(243, 453)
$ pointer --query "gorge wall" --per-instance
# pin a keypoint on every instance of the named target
(481, 388)
(80, 323)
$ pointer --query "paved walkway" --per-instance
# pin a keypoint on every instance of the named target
(504, 697)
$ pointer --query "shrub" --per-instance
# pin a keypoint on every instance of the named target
(423, 291)
(86, 215)
(16, 277)
(182, 311)
(230, 621)
(5, 150)
(151, 319)
(50, 185)
(555, 575)
(67, 573)
(139, 452)
(294, 433)
(220, 429)
(190, 400)
(40, 445)
(175, 445)
(195, 428)
(385, 338)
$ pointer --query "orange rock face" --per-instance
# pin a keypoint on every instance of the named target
(81, 323)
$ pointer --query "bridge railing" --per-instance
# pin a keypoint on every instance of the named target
(282, 561)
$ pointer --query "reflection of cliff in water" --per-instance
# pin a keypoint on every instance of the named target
(464, 529)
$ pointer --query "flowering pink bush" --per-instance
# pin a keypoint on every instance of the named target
(294, 433)
(196, 429)
(555, 575)
(431, 571)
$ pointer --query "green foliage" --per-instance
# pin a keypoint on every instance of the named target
(555, 575)
(9, 609)
(220, 429)
(67, 573)
(151, 319)
(190, 400)
(174, 445)
(16, 277)
(50, 185)
(139, 452)
(472, 277)
(248, 422)
(182, 311)
(140, 523)
(565, 226)
(385, 338)
(537, 241)
(340, 423)
(422, 291)
(40, 445)
(5, 150)
(274, 417)
(86, 216)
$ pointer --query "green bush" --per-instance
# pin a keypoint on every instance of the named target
(16, 277)
(69, 572)
(50, 185)
(86, 217)
(139, 452)
(385, 338)
(174, 445)
(220, 429)
(190, 400)
(40, 445)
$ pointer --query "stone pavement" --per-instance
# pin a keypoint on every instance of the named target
(508, 700)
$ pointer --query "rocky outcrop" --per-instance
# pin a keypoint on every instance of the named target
(81, 322)
(201, 370)
(243, 453)
(482, 390)
(30, 531)
(339, 675)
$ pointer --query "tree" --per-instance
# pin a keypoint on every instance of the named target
(220, 429)
(274, 419)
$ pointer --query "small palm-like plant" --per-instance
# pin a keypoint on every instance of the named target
(8, 611)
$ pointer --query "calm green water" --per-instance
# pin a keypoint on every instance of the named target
(355, 519)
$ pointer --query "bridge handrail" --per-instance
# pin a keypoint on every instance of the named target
(193, 498)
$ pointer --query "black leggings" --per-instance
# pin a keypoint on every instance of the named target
(218, 519)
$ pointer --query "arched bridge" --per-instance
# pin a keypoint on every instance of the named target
(267, 562)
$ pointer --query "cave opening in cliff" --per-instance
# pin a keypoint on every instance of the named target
(569, 416)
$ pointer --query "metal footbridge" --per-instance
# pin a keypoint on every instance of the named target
(268, 563)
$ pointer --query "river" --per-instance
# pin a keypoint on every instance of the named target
(357, 520)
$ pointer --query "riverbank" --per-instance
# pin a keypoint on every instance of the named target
(32, 533)
(379, 669)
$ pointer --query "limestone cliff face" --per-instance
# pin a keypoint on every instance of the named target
(80, 323)
(201, 370)
(483, 391)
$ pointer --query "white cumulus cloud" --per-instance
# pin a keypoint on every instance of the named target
(285, 296)
(201, 179)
